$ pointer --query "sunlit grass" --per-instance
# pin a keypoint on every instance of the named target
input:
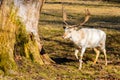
(96, 8)
(105, 16)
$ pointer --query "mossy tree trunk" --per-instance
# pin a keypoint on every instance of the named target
(19, 33)
(7, 38)
(29, 13)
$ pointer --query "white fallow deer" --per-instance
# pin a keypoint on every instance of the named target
(86, 38)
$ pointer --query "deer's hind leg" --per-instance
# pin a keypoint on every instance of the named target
(97, 55)
(104, 51)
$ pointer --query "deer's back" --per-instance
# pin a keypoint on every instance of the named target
(92, 37)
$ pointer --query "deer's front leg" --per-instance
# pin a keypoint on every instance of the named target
(81, 56)
(76, 53)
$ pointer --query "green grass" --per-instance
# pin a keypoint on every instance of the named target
(105, 16)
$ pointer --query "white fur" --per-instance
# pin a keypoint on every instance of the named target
(85, 38)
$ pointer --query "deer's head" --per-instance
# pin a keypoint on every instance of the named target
(70, 29)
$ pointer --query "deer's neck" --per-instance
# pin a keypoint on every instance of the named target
(74, 36)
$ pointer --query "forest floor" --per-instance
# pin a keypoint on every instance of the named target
(105, 16)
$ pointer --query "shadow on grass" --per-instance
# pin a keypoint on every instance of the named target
(62, 60)
(109, 22)
(81, 4)
(117, 28)
(56, 14)
(104, 22)
(60, 42)
(110, 19)
(43, 22)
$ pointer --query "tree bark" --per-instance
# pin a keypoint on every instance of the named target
(19, 33)
(7, 38)
(29, 13)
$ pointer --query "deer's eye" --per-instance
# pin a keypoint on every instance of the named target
(64, 27)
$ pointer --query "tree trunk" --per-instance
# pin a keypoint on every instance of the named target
(29, 13)
(19, 33)
(7, 38)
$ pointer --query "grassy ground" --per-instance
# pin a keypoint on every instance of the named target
(105, 16)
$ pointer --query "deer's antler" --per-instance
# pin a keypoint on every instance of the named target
(87, 16)
(64, 15)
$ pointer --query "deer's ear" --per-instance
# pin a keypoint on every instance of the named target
(64, 27)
